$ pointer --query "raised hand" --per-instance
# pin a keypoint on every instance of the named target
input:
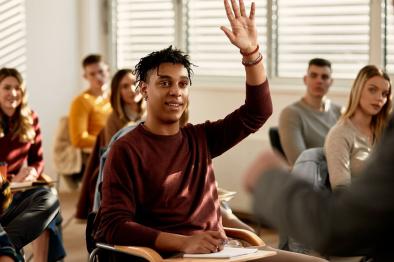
(243, 33)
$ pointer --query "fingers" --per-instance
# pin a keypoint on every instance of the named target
(235, 8)
(217, 235)
(229, 13)
(242, 7)
(252, 11)
(228, 33)
(235, 11)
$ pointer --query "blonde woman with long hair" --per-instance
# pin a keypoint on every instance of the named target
(350, 141)
(30, 212)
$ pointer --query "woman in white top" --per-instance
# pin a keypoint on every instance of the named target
(349, 142)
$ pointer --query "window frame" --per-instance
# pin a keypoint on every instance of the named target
(341, 85)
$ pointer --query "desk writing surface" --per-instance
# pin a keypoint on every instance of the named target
(256, 255)
(20, 186)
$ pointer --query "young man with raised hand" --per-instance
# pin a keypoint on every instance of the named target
(159, 186)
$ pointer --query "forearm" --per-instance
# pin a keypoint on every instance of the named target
(168, 242)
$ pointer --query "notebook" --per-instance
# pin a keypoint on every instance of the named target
(227, 252)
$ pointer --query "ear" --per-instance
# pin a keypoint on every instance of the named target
(143, 89)
(305, 76)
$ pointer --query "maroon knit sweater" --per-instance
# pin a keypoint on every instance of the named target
(156, 183)
(15, 153)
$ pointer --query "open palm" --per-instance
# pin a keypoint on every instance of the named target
(243, 33)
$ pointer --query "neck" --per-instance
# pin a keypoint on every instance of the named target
(361, 120)
(317, 103)
(94, 91)
(160, 128)
(8, 111)
(133, 107)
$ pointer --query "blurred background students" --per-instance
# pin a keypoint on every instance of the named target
(128, 107)
(305, 123)
(89, 110)
(354, 221)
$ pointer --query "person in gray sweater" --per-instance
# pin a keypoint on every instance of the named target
(305, 123)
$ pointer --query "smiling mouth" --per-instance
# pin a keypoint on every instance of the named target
(174, 105)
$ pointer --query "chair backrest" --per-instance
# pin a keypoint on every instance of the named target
(103, 158)
(311, 165)
(90, 243)
(67, 159)
(273, 133)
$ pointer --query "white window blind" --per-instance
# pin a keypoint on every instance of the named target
(390, 39)
(142, 26)
(207, 45)
(337, 30)
(12, 34)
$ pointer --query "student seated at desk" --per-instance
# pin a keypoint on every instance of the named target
(350, 142)
(30, 212)
(159, 186)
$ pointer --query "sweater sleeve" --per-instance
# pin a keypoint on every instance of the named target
(225, 133)
(338, 149)
(79, 123)
(35, 155)
(290, 133)
(118, 208)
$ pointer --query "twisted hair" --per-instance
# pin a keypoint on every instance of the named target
(379, 121)
(155, 59)
(23, 126)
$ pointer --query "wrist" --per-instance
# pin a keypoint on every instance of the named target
(170, 242)
(249, 51)
(252, 60)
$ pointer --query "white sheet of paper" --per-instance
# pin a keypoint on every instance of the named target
(227, 252)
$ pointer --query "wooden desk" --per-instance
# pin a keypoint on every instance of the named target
(21, 186)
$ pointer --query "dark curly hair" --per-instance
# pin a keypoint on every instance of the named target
(155, 59)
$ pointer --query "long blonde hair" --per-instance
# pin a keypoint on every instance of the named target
(379, 121)
(23, 126)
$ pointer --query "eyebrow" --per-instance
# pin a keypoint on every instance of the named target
(170, 77)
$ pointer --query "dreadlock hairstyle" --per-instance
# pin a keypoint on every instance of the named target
(155, 59)
(117, 102)
(379, 121)
(23, 126)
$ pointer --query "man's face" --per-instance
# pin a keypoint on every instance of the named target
(318, 80)
(96, 74)
(167, 92)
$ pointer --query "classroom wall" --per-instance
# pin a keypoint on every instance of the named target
(61, 32)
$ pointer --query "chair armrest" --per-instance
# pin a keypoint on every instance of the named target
(245, 235)
(46, 178)
(143, 252)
